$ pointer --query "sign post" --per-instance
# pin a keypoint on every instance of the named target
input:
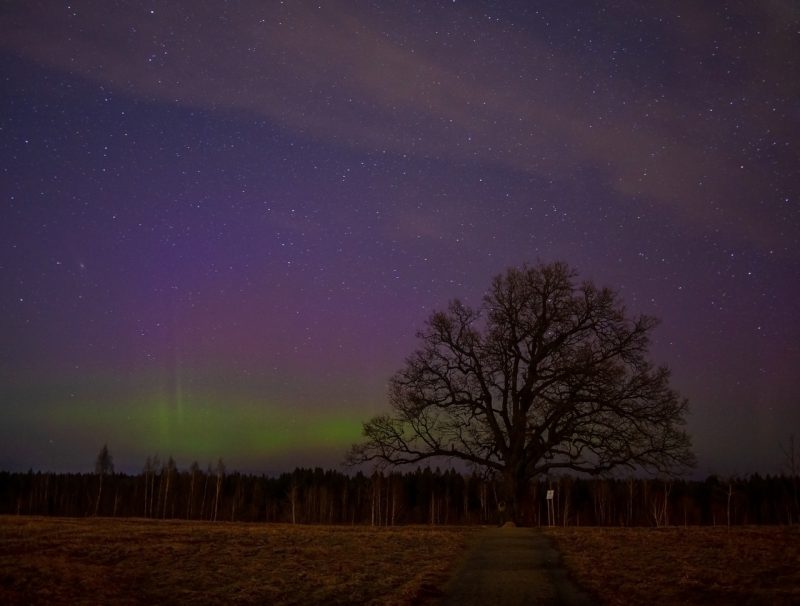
(551, 512)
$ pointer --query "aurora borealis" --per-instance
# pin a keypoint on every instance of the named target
(222, 223)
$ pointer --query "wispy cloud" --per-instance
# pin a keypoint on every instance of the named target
(412, 84)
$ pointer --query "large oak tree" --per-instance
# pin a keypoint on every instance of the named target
(547, 374)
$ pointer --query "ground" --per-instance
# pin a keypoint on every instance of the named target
(130, 561)
(114, 561)
(510, 567)
(676, 565)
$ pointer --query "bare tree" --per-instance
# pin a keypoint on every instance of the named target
(293, 499)
(193, 471)
(209, 471)
(161, 479)
(792, 465)
(660, 506)
(168, 472)
(220, 473)
(728, 504)
(151, 465)
(546, 375)
(148, 469)
(104, 465)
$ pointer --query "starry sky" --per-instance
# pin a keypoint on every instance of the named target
(222, 223)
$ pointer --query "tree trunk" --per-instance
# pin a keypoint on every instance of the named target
(730, 494)
(203, 502)
(166, 494)
(99, 493)
(511, 493)
(152, 491)
(216, 497)
(191, 497)
(484, 499)
(293, 501)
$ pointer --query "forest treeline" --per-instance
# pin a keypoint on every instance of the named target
(423, 496)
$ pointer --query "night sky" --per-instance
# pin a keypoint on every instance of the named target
(222, 223)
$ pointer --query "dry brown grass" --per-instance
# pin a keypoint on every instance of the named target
(112, 561)
(741, 565)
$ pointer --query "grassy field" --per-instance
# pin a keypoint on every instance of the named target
(129, 561)
(113, 561)
(741, 565)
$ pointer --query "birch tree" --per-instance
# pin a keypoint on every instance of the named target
(104, 465)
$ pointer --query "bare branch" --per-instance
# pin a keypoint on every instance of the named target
(545, 375)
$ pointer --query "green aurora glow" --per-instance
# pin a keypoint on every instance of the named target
(246, 431)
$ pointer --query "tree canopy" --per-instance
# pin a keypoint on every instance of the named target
(547, 374)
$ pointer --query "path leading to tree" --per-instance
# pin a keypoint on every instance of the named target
(510, 566)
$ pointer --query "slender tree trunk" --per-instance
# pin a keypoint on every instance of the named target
(160, 492)
(730, 494)
(152, 491)
(203, 502)
(191, 498)
(99, 494)
(388, 500)
(343, 511)
(216, 496)
(372, 506)
(46, 509)
(630, 501)
(293, 501)
(394, 503)
(484, 498)
(166, 494)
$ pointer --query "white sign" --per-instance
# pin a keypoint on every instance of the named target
(550, 495)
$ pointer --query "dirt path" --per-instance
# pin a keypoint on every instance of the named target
(509, 566)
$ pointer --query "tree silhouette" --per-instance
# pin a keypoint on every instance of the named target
(168, 472)
(193, 471)
(546, 375)
(792, 466)
(104, 465)
(220, 473)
